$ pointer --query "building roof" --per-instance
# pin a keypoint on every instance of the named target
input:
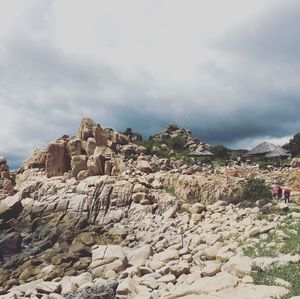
(263, 148)
(279, 152)
(267, 149)
(198, 153)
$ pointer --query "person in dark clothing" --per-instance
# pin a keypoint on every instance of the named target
(287, 194)
(279, 193)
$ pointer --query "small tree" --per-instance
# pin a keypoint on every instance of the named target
(128, 132)
(293, 145)
(221, 151)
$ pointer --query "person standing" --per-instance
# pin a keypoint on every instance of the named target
(279, 194)
(287, 194)
(275, 191)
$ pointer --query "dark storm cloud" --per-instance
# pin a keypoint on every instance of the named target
(247, 86)
(265, 66)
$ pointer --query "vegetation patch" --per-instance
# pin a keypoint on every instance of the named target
(221, 151)
(171, 190)
(289, 273)
(251, 191)
(255, 189)
(293, 146)
(286, 240)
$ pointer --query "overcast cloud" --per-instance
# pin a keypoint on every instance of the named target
(227, 70)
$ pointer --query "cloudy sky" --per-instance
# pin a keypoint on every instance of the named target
(227, 70)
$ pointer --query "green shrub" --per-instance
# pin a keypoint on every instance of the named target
(221, 162)
(289, 272)
(263, 165)
(171, 190)
(293, 146)
(251, 191)
(176, 142)
(221, 151)
(255, 189)
(188, 160)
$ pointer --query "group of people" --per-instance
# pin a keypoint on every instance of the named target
(279, 192)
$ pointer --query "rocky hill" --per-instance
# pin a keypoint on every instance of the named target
(97, 216)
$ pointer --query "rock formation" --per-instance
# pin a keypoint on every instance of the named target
(96, 216)
(172, 130)
(6, 186)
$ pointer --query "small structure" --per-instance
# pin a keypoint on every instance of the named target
(267, 150)
(278, 153)
(262, 149)
(198, 154)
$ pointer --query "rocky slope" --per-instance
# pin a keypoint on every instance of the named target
(92, 215)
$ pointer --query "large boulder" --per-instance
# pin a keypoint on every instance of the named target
(99, 135)
(107, 258)
(166, 255)
(11, 243)
(204, 286)
(295, 162)
(96, 164)
(144, 166)
(74, 147)
(118, 166)
(36, 160)
(119, 138)
(86, 128)
(140, 254)
(90, 146)
(6, 188)
(58, 160)
(89, 129)
(240, 266)
(78, 163)
(10, 207)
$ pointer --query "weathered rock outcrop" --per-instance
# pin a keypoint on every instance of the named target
(36, 160)
(172, 131)
(84, 155)
(57, 159)
(6, 186)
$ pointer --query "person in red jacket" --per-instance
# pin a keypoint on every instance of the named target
(287, 194)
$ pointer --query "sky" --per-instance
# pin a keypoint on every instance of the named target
(227, 70)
